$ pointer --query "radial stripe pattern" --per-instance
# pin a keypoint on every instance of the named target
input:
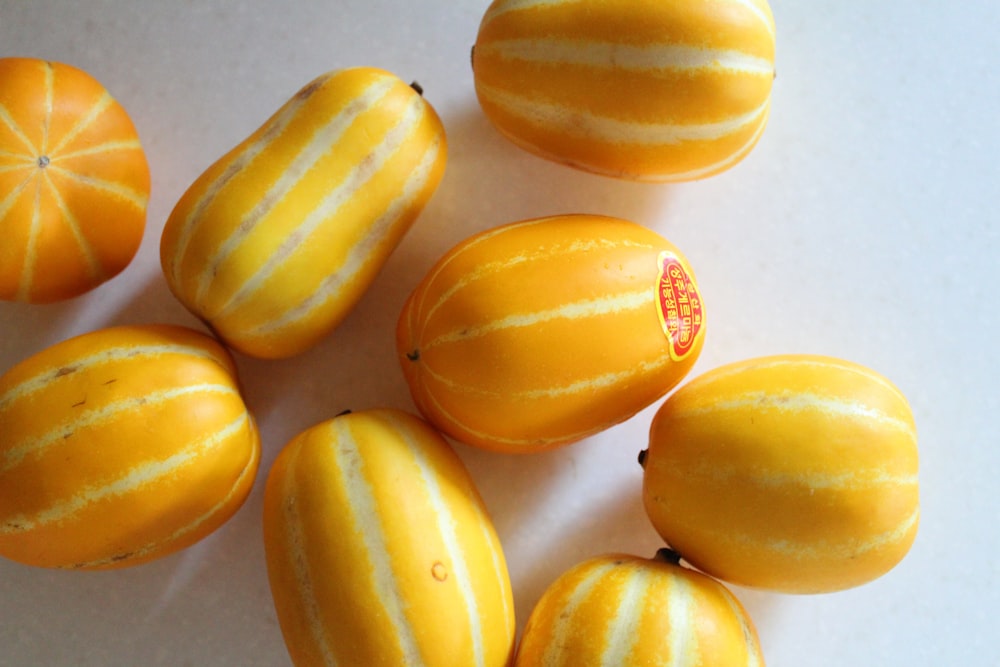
(73, 186)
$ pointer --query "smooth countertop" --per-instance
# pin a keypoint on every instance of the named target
(864, 225)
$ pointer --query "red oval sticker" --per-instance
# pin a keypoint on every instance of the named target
(678, 305)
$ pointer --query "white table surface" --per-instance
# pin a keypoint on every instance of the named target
(864, 226)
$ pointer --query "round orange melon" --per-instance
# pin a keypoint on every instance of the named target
(274, 244)
(628, 611)
(74, 182)
(380, 550)
(121, 446)
(539, 333)
(654, 90)
(794, 473)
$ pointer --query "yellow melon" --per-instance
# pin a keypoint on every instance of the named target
(74, 182)
(380, 550)
(539, 333)
(121, 446)
(275, 243)
(628, 611)
(795, 473)
(656, 90)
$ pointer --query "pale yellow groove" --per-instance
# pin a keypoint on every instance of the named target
(726, 162)
(452, 256)
(16, 130)
(99, 107)
(813, 480)
(791, 402)
(563, 628)
(361, 252)
(276, 127)
(134, 197)
(460, 426)
(612, 130)
(31, 251)
(828, 550)
(248, 470)
(576, 310)
(365, 513)
(612, 56)
(137, 477)
(496, 553)
(623, 630)
(94, 267)
(106, 147)
(815, 362)
(8, 202)
(682, 637)
(753, 653)
(322, 142)
(26, 160)
(446, 528)
(487, 269)
(88, 418)
(38, 382)
(331, 203)
(295, 534)
(755, 9)
(517, 5)
(50, 89)
(588, 384)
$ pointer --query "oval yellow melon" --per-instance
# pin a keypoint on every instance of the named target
(380, 551)
(121, 446)
(631, 612)
(274, 244)
(794, 473)
(539, 333)
(656, 90)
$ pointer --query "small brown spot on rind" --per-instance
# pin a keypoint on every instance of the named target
(66, 370)
(439, 571)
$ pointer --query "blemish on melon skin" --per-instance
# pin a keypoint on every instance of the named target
(439, 571)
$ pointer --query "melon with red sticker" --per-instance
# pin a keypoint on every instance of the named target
(542, 332)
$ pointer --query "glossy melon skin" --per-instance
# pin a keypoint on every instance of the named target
(794, 473)
(121, 446)
(539, 333)
(274, 244)
(380, 551)
(628, 611)
(651, 90)
(74, 182)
